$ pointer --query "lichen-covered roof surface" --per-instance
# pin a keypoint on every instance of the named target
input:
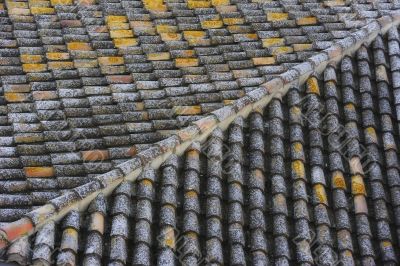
(158, 132)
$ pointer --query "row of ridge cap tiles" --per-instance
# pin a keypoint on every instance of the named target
(197, 130)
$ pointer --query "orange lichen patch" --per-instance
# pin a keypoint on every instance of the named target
(212, 24)
(119, 19)
(320, 194)
(169, 237)
(117, 26)
(14, 97)
(70, 236)
(57, 56)
(277, 16)
(111, 60)
(155, 5)
(187, 110)
(18, 8)
(146, 182)
(347, 253)
(191, 194)
(330, 83)
(350, 107)
(357, 185)
(281, 50)
(306, 21)
(31, 58)
(297, 147)
(13, 4)
(273, 42)
(167, 37)
(193, 154)
(370, 131)
(260, 61)
(34, 67)
(17, 229)
(338, 180)
(121, 33)
(386, 244)
(193, 34)
(251, 36)
(238, 29)
(220, 2)
(81, 46)
(312, 86)
(191, 235)
(165, 28)
(298, 168)
(227, 102)
(186, 62)
(61, 2)
(302, 47)
(199, 42)
(88, 2)
(95, 155)
(125, 42)
(39, 171)
(97, 222)
(233, 21)
(198, 4)
(61, 65)
(158, 56)
(295, 110)
(42, 10)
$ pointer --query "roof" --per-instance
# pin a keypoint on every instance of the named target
(98, 96)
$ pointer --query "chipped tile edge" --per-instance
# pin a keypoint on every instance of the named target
(275, 88)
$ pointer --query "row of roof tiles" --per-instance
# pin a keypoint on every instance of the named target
(51, 50)
(271, 195)
(203, 126)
